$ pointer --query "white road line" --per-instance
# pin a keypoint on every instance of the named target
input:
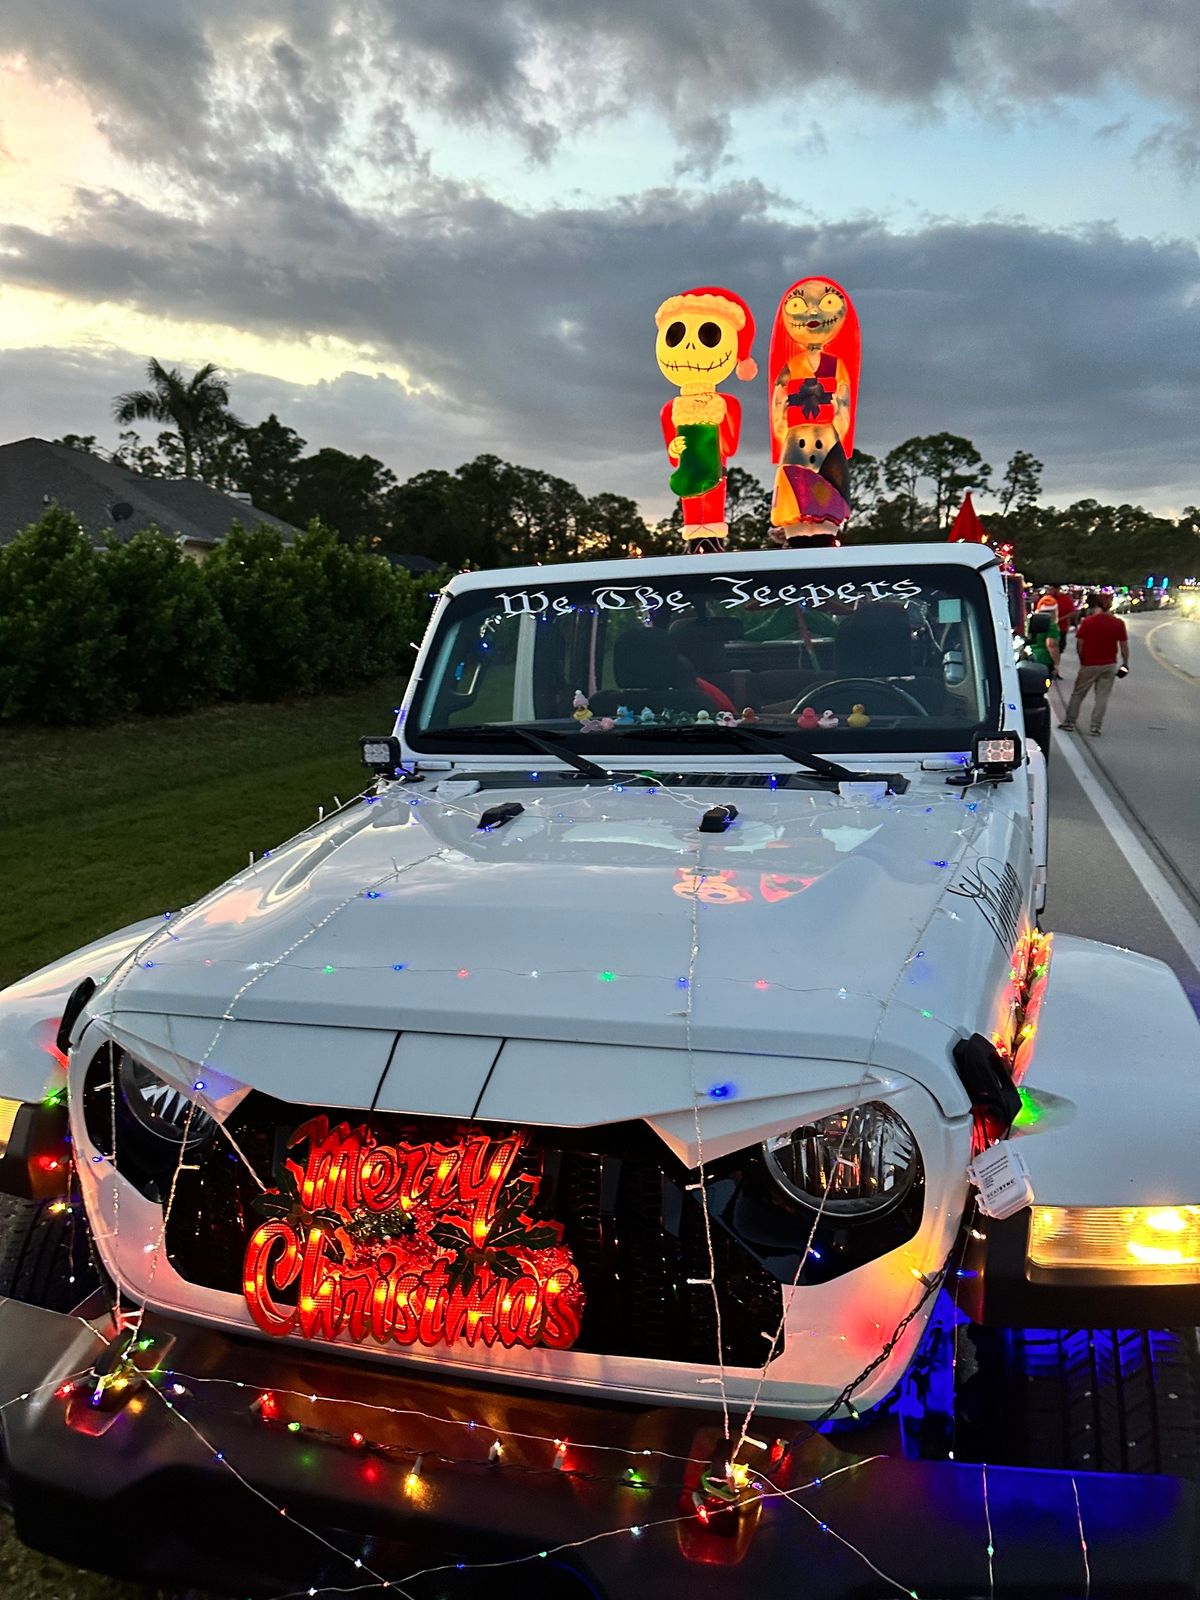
(1163, 661)
(1170, 907)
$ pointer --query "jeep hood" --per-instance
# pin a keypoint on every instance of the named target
(810, 928)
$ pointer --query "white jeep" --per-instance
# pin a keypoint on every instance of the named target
(570, 1137)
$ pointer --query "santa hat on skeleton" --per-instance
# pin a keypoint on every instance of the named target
(723, 303)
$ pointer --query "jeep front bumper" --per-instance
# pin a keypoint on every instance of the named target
(167, 1492)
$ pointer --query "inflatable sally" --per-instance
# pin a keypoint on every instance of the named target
(813, 374)
(704, 335)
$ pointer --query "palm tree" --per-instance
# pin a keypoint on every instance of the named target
(197, 406)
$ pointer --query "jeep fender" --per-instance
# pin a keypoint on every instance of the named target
(1114, 1079)
(1111, 1083)
(30, 1064)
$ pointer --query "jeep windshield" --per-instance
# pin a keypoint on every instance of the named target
(879, 659)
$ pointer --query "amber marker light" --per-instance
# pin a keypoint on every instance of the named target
(1163, 1241)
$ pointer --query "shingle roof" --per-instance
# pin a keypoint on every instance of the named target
(35, 474)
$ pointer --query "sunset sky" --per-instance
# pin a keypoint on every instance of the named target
(428, 228)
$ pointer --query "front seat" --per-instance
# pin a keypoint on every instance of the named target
(649, 672)
(876, 641)
(873, 642)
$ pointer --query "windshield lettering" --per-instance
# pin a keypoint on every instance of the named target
(741, 592)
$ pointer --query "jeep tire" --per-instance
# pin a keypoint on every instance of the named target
(45, 1255)
(1093, 1399)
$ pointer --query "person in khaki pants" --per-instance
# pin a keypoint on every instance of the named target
(1097, 638)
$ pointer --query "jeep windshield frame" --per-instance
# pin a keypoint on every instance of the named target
(585, 662)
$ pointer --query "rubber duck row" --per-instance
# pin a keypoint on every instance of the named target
(808, 720)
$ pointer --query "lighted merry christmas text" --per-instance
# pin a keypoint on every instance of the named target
(425, 1244)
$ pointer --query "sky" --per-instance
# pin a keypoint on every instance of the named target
(429, 229)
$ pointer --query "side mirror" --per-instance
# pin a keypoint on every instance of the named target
(1034, 681)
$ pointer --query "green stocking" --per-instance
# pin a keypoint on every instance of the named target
(699, 468)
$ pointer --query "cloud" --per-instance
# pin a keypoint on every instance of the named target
(239, 80)
(531, 335)
(290, 197)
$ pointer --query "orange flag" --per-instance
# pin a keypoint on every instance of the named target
(966, 525)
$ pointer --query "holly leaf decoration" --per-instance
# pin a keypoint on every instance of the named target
(542, 1237)
(460, 1271)
(505, 1264)
(451, 1233)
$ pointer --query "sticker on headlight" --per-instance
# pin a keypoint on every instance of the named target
(411, 1244)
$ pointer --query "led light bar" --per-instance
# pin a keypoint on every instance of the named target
(1163, 1241)
(997, 753)
(381, 753)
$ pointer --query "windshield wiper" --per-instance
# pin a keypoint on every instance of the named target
(754, 738)
(540, 739)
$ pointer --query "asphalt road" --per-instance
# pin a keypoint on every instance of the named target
(1125, 808)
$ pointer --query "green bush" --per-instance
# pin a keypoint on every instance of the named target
(87, 635)
(358, 610)
(58, 626)
(174, 645)
(258, 585)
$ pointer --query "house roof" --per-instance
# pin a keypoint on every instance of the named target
(35, 474)
(415, 564)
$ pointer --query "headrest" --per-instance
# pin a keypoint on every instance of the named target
(874, 642)
(645, 658)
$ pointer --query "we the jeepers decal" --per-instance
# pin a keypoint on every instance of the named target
(731, 593)
(410, 1244)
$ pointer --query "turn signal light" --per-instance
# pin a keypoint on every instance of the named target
(1161, 1240)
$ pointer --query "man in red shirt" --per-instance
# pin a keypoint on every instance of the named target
(1098, 638)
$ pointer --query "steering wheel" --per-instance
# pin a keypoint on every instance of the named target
(873, 685)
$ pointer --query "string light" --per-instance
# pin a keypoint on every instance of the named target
(739, 1474)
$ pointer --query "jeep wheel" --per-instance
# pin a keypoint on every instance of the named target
(45, 1255)
(1098, 1400)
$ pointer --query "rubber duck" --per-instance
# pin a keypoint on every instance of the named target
(749, 714)
(858, 718)
(582, 711)
(827, 720)
(624, 717)
(704, 718)
(647, 717)
(808, 719)
(726, 719)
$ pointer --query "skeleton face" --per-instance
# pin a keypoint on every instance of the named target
(696, 348)
(814, 311)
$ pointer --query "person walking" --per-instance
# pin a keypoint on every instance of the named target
(1098, 638)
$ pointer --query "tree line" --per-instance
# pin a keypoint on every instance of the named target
(490, 512)
(88, 635)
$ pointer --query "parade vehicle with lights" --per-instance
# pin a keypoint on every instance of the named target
(646, 1127)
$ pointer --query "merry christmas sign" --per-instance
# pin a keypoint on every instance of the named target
(412, 1244)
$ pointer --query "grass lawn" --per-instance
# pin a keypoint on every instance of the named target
(101, 826)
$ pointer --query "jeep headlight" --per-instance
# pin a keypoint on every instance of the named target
(856, 1163)
(159, 1108)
